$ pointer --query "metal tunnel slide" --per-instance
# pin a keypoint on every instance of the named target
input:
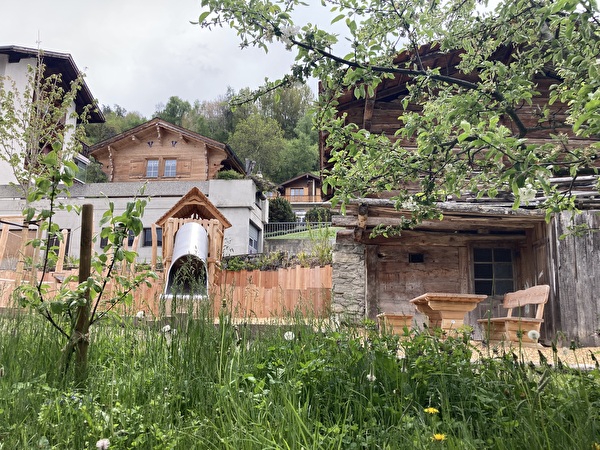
(188, 275)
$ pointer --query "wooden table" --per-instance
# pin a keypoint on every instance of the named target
(446, 310)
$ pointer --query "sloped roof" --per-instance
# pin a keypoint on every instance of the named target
(59, 63)
(304, 175)
(194, 204)
(231, 162)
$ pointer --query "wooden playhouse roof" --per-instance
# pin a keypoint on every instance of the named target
(194, 204)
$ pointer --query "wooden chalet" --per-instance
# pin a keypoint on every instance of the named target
(480, 246)
(160, 151)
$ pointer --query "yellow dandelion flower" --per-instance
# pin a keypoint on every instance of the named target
(431, 410)
(438, 437)
(595, 446)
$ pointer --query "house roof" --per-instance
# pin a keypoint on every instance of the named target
(194, 204)
(231, 162)
(59, 63)
(306, 175)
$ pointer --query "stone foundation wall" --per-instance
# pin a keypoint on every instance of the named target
(349, 278)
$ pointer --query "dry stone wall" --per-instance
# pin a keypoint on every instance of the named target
(349, 278)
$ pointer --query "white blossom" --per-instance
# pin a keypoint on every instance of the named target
(289, 335)
(166, 329)
(140, 315)
(371, 377)
(533, 335)
(527, 194)
(103, 444)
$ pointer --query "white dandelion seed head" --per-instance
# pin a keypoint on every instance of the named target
(103, 444)
(289, 335)
(533, 335)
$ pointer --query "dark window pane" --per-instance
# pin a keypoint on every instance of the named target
(503, 270)
(502, 255)
(482, 254)
(483, 270)
(483, 287)
(503, 286)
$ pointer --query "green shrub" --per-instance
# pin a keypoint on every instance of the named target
(280, 210)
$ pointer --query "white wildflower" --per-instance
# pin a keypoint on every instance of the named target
(166, 329)
(103, 444)
(289, 335)
(140, 315)
(371, 377)
(533, 335)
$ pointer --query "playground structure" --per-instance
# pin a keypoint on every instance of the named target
(193, 238)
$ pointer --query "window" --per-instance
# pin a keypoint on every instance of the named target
(493, 271)
(296, 192)
(253, 239)
(148, 237)
(152, 168)
(130, 238)
(170, 167)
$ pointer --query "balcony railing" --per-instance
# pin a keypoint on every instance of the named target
(282, 228)
(303, 198)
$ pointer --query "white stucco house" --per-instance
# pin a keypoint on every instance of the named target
(15, 64)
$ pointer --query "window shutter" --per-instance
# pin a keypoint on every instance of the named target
(184, 167)
(137, 168)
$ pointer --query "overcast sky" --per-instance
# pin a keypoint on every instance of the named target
(138, 53)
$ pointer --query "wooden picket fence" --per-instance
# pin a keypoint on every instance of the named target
(245, 294)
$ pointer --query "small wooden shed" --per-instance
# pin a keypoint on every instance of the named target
(195, 207)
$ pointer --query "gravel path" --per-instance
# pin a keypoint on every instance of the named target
(580, 357)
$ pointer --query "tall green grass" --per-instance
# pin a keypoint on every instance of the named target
(295, 386)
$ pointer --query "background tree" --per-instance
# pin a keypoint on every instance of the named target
(93, 173)
(117, 121)
(300, 153)
(174, 111)
(318, 214)
(280, 210)
(466, 134)
(287, 106)
(260, 139)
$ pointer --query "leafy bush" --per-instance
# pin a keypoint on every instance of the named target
(280, 210)
(318, 214)
(229, 175)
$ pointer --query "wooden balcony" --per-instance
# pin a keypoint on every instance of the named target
(303, 198)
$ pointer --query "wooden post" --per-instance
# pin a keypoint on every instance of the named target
(4, 239)
(80, 338)
(62, 251)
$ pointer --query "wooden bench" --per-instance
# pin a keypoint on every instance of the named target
(515, 328)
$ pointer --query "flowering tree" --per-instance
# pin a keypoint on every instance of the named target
(38, 142)
(460, 130)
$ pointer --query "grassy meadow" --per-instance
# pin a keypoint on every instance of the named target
(190, 384)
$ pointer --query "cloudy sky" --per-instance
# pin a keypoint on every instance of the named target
(138, 53)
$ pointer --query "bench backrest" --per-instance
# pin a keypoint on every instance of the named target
(536, 295)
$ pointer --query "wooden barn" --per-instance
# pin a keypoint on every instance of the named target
(481, 246)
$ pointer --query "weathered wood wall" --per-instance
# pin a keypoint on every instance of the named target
(447, 266)
(576, 280)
